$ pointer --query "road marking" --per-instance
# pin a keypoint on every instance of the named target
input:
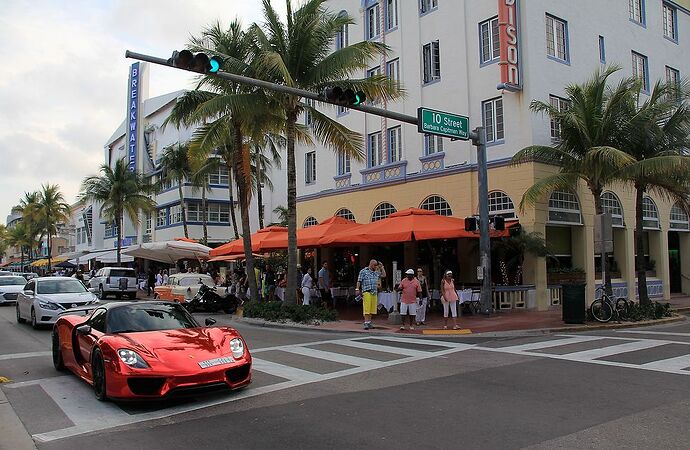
(283, 371)
(384, 348)
(24, 355)
(586, 355)
(548, 344)
(670, 364)
(461, 331)
(661, 333)
(331, 356)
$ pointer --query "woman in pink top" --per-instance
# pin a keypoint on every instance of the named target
(449, 299)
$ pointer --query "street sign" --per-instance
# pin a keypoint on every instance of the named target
(443, 124)
(603, 233)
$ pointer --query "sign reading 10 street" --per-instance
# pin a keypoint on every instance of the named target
(443, 124)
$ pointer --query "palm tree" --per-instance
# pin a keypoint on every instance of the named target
(29, 208)
(19, 236)
(592, 134)
(53, 211)
(200, 173)
(282, 213)
(119, 191)
(3, 241)
(659, 137)
(511, 252)
(261, 162)
(177, 168)
(298, 53)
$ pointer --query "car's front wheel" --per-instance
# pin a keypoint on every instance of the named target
(101, 294)
(19, 316)
(57, 353)
(34, 322)
(98, 373)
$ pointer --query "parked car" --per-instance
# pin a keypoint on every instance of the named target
(148, 350)
(28, 275)
(10, 287)
(117, 281)
(182, 287)
(44, 298)
(4, 273)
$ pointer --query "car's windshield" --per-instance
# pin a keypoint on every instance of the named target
(122, 273)
(60, 287)
(193, 281)
(135, 318)
(12, 281)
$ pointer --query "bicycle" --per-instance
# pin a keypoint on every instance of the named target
(604, 308)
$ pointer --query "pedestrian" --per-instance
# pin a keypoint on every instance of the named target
(150, 281)
(159, 278)
(165, 277)
(411, 291)
(325, 284)
(449, 299)
(270, 283)
(421, 309)
(382, 274)
(307, 284)
(257, 277)
(367, 286)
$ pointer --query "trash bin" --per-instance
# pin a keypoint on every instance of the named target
(574, 303)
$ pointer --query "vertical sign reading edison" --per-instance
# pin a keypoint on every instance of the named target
(509, 40)
(133, 116)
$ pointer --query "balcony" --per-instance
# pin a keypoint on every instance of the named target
(385, 173)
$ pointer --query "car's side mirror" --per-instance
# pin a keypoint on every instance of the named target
(29, 293)
(84, 329)
(209, 322)
(93, 290)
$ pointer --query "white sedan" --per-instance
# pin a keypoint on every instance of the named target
(44, 298)
(10, 287)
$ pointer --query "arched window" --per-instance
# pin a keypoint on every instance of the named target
(679, 219)
(345, 214)
(650, 214)
(309, 222)
(382, 211)
(501, 205)
(611, 204)
(564, 208)
(437, 204)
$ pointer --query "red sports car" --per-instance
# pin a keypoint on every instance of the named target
(148, 350)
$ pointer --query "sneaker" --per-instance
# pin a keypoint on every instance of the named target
(411, 328)
(366, 325)
(402, 328)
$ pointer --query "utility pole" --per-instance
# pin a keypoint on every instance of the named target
(478, 137)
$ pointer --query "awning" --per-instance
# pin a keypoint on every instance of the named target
(104, 256)
(237, 246)
(235, 257)
(169, 251)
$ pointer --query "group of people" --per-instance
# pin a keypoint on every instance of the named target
(414, 295)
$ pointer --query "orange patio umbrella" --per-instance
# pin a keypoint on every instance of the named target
(184, 239)
(311, 237)
(234, 257)
(237, 246)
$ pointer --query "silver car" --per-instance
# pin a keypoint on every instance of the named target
(44, 298)
(10, 287)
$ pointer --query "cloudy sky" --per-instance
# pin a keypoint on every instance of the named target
(63, 79)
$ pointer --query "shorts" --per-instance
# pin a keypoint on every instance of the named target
(370, 303)
(408, 308)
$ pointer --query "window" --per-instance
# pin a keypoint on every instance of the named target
(310, 167)
(556, 38)
(219, 212)
(373, 21)
(670, 22)
(427, 5)
(308, 119)
(431, 58)
(162, 218)
(391, 14)
(489, 42)
(437, 204)
(611, 204)
(97, 320)
(309, 222)
(393, 71)
(371, 73)
(679, 218)
(602, 50)
(640, 70)
(194, 212)
(149, 224)
(175, 214)
(560, 105)
(382, 211)
(564, 208)
(342, 37)
(650, 214)
(501, 205)
(345, 214)
(432, 144)
(637, 11)
(672, 76)
(110, 230)
(219, 176)
(374, 156)
(492, 114)
(394, 144)
(343, 163)
(78, 236)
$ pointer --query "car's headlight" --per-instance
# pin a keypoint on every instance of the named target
(132, 359)
(237, 348)
(48, 305)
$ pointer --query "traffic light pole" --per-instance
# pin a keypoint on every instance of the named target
(477, 136)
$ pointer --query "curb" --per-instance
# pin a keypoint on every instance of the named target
(14, 435)
(531, 331)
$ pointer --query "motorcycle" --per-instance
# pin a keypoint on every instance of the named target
(209, 300)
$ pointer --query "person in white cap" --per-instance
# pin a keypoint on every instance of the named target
(449, 299)
(411, 292)
(421, 309)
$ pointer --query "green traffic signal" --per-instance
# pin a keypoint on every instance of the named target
(214, 64)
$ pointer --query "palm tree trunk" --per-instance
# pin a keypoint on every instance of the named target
(599, 209)
(639, 247)
(204, 215)
(49, 258)
(231, 197)
(119, 236)
(259, 193)
(183, 210)
(291, 294)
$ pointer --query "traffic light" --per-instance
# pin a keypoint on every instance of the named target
(499, 223)
(346, 97)
(471, 223)
(199, 63)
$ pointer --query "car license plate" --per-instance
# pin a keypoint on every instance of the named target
(216, 362)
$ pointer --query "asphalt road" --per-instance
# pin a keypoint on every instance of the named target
(627, 388)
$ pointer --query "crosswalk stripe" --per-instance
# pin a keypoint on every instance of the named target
(331, 356)
(283, 371)
(386, 349)
(670, 364)
(548, 344)
(24, 355)
(405, 340)
(660, 333)
(587, 355)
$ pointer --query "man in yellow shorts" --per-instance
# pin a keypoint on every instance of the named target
(367, 283)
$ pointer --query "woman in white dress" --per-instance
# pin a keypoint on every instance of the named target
(307, 284)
